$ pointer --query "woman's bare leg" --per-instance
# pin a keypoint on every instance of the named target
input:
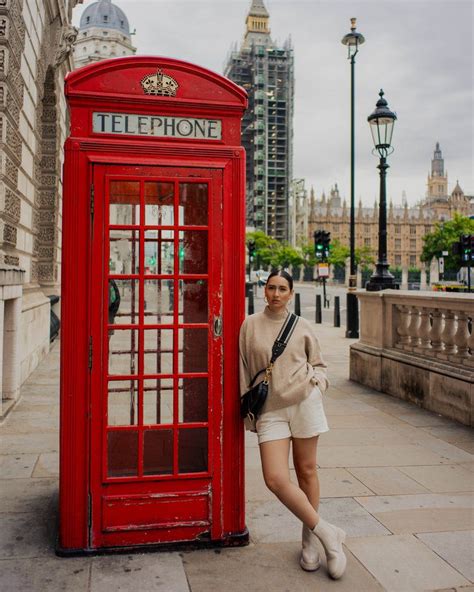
(304, 460)
(276, 472)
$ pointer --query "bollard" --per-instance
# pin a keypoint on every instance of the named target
(319, 318)
(297, 304)
(251, 307)
(337, 311)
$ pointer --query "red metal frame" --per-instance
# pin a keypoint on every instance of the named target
(95, 511)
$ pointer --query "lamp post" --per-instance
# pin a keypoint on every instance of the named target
(352, 40)
(382, 121)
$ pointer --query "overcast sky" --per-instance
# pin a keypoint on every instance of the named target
(419, 51)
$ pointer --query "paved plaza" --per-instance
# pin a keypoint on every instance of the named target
(398, 479)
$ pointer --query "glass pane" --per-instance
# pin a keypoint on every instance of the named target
(193, 301)
(158, 452)
(124, 251)
(192, 450)
(159, 251)
(193, 350)
(122, 402)
(193, 251)
(157, 401)
(158, 354)
(124, 202)
(122, 454)
(123, 351)
(123, 302)
(193, 204)
(159, 296)
(192, 398)
(159, 203)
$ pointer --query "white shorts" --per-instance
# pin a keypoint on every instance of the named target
(302, 420)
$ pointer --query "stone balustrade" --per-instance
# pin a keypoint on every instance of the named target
(418, 346)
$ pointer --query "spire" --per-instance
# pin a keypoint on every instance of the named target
(437, 164)
(258, 29)
(258, 9)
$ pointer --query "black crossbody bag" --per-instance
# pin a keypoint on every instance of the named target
(252, 402)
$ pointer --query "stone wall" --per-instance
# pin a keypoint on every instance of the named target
(35, 44)
(418, 347)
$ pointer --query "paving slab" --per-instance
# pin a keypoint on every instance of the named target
(378, 456)
(356, 436)
(359, 420)
(456, 548)
(467, 446)
(269, 567)
(421, 513)
(141, 572)
(30, 443)
(440, 479)
(25, 535)
(404, 564)
(255, 488)
(14, 466)
(25, 423)
(351, 516)
(387, 480)
(457, 433)
(27, 495)
(47, 465)
(339, 483)
(45, 574)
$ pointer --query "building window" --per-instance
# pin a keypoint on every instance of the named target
(412, 229)
(413, 245)
(427, 229)
(398, 244)
(88, 19)
(398, 229)
(106, 18)
(367, 242)
(367, 228)
(398, 259)
(412, 260)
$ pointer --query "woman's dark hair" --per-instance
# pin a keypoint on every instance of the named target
(284, 274)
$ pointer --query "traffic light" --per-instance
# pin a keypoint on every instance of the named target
(322, 240)
(466, 242)
(252, 247)
(326, 243)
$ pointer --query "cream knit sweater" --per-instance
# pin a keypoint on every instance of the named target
(295, 373)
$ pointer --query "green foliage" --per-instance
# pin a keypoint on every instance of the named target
(269, 251)
(286, 255)
(364, 257)
(307, 251)
(338, 253)
(443, 237)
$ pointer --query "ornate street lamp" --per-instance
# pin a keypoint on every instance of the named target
(353, 40)
(382, 121)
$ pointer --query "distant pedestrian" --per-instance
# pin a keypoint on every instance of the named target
(294, 413)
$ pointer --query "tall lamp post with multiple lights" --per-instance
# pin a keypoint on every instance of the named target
(353, 40)
(382, 121)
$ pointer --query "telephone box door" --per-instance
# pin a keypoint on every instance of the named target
(156, 355)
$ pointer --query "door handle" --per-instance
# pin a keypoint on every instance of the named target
(217, 326)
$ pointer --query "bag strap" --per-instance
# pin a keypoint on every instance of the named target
(279, 345)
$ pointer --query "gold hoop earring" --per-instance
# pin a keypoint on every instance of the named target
(265, 300)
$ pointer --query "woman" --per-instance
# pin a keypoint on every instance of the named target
(293, 412)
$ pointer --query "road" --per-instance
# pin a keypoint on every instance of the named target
(308, 294)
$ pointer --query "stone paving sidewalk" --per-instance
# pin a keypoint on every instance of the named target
(398, 479)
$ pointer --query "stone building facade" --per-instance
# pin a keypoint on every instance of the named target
(406, 226)
(36, 38)
(104, 32)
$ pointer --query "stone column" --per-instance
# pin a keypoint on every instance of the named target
(404, 285)
(434, 271)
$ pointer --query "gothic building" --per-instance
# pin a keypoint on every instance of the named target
(35, 55)
(406, 226)
(104, 32)
(266, 72)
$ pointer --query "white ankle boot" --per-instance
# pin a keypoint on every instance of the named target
(332, 538)
(309, 560)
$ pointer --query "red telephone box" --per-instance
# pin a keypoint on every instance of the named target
(152, 301)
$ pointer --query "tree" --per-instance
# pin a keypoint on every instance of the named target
(443, 237)
(307, 250)
(286, 255)
(338, 253)
(265, 247)
(364, 257)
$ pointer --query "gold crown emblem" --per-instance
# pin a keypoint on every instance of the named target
(159, 84)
